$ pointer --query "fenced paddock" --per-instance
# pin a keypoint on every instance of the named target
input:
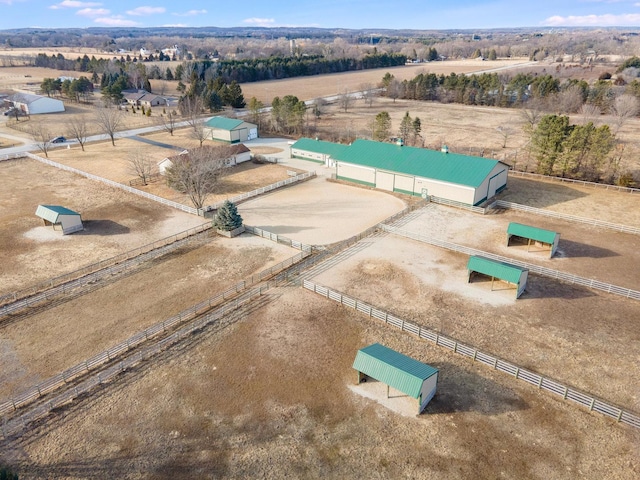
(554, 387)
(112, 354)
(547, 272)
(11, 427)
(62, 283)
(564, 216)
(582, 183)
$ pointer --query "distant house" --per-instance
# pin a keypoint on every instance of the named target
(230, 130)
(142, 98)
(31, 104)
(238, 154)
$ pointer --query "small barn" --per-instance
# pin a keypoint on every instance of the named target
(317, 151)
(411, 377)
(511, 274)
(55, 215)
(230, 130)
(517, 233)
(32, 104)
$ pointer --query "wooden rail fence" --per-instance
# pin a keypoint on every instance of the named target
(548, 178)
(544, 383)
(50, 385)
(565, 216)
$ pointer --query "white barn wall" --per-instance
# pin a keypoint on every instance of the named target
(495, 181)
(385, 181)
(428, 390)
(357, 173)
(450, 191)
(404, 184)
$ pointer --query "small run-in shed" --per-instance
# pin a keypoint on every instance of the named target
(500, 270)
(414, 378)
(68, 220)
(547, 239)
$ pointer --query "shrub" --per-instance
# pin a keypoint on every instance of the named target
(227, 218)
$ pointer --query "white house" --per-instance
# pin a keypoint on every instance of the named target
(238, 154)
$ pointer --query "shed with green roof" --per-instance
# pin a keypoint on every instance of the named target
(422, 172)
(518, 233)
(56, 215)
(230, 130)
(411, 377)
(506, 272)
(317, 151)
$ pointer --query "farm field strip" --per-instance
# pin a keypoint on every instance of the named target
(544, 383)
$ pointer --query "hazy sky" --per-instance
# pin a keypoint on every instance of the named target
(414, 14)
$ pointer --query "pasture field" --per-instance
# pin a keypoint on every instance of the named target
(267, 395)
(48, 341)
(115, 222)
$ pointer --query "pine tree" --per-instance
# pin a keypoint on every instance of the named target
(227, 218)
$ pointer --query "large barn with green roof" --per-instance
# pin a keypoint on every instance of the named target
(418, 171)
(409, 170)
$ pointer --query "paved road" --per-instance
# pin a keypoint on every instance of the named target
(155, 143)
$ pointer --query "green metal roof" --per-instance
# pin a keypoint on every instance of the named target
(51, 212)
(223, 123)
(420, 162)
(534, 233)
(493, 268)
(393, 368)
(320, 146)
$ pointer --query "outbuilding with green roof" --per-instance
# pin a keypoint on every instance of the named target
(506, 272)
(411, 377)
(58, 216)
(230, 130)
(518, 233)
(421, 172)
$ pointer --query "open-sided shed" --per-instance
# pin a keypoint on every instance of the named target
(416, 379)
(544, 238)
(500, 270)
(68, 220)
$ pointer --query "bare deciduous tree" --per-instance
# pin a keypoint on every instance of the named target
(79, 130)
(569, 100)
(141, 165)
(42, 137)
(345, 99)
(109, 119)
(505, 132)
(169, 121)
(590, 113)
(368, 93)
(192, 108)
(198, 172)
(623, 108)
(394, 90)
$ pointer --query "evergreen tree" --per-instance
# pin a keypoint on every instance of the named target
(382, 126)
(405, 127)
(227, 218)
(416, 128)
(168, 75)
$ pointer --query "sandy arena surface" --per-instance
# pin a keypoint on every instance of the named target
(319, 212)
